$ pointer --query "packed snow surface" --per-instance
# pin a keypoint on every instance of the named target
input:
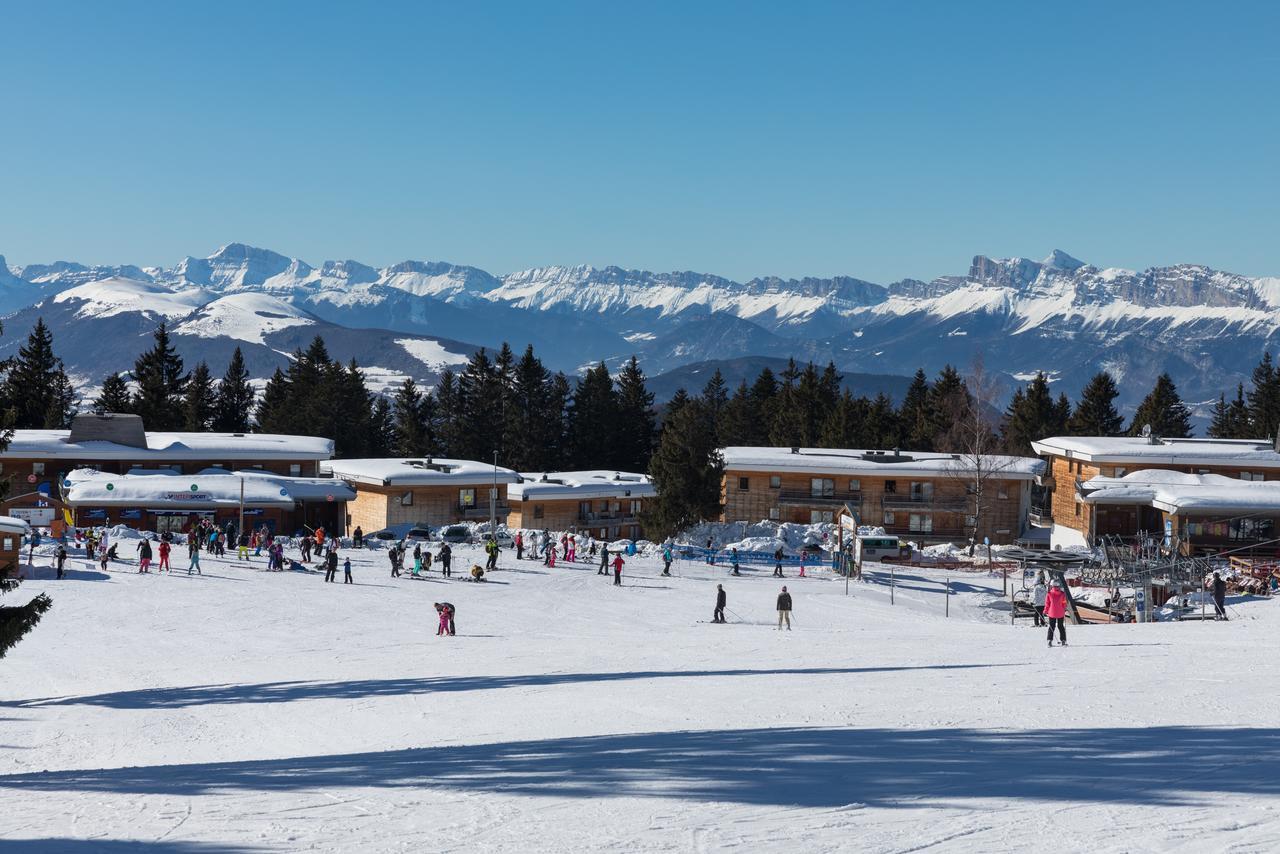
(431, 353)
(243, 710)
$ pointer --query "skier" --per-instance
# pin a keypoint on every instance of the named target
(426, 560)
(777, 563)
(357, 537)
(718, 615)
(1038, 593)
(519, 545)
(61, 558)
(617, 569)
(477, 572)
(331, 565)
(491, 546)
(711, 552)
(446, 612)
(346, 571)
(1055, 608)
(242, 547)
(144, 555)
(391, 555)
(733, 555)
(304, 547)
(573, 549)
(666, 559)
(195, 562)
(604, 558)
(446, 558)
(164, 556)
(551, 555)
(417, 559)
(103, 554)
(1219, 597)
(784, 609)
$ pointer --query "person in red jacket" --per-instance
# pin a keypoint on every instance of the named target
(164, 556)
(617, 569)
(1055, 608)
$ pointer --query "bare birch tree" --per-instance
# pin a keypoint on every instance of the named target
(973, 439)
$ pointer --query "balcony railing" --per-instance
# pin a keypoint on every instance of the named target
(619, 518)
(804, 496)
(924, 502)
(1041, 517)
(481, 510)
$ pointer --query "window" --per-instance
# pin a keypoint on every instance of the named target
(816, 516)
(1244, 475)
(744, 483)
(1121, 471)
(775, 481)
(466, 498)
(615, 506)
(888, 517)
(855, 485)
(8, 544)
(970, 521)
(37, 468)
(822, 487)
(1077, 509)
(406, 500)
(538, 510)
(635, 507)
(1002, 494)
(604, 533)
(295, 469)
(773, 513)
(921, 490)
(921, 523)
(890, 487)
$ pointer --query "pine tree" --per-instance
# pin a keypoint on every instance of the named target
(382, 433)
(636, 422)
(715, 394)
(558, 408)
(788, 426)
(913, 415)
(448, 408)
(1095, 414)
(1032, 415)
(200, 400)
(479, 394)
(1238, 421)
(1219, 424)
(35, 376)
(737, 421)
(594, 426)
(114, 396)
(15, 622)
(1164, 410)
(409, 421)
(686, 470)
(880, 428)
(62, 402)
(843, 428)
(1264, 399)
(233, 403)
(161, 384)
(272, 415)
(949, 400)
(764, 393)
(532, 427)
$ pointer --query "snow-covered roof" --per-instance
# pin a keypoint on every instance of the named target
(841, 461)
(545, 486)
(1182, 493)
(13, 525)
(210, 488)
(164, 446)
(1244, 453)
(421, 471)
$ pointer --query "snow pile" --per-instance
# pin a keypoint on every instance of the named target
(763, 536)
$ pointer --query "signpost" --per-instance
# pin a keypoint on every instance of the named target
(1140, 604)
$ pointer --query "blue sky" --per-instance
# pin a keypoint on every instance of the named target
(879, 140)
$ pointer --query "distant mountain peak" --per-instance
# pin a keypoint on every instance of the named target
(1059, 260)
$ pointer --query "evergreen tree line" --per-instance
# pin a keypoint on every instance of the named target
(533, 419)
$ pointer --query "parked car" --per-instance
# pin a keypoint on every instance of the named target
(420, 534)
(505, 540)
(456, 534)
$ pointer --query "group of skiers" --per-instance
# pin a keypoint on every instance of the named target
(783, 606)
(422, 559)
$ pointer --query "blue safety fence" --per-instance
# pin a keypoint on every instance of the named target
(745, 558)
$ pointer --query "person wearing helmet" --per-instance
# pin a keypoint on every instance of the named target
(1055, 608)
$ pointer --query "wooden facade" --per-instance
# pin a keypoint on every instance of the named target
(917, 507)
(610, 518)
(376, 507)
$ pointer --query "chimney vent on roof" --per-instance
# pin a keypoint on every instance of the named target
(117, 427)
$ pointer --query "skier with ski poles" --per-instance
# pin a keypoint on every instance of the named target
(718, 615)
(777, 563)
(617, 569)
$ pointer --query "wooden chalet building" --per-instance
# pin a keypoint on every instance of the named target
(605, 504)
(926, 497)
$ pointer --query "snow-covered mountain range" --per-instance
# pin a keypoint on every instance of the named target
(1061, 315)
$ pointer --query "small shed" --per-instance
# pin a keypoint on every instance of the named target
(12, 531)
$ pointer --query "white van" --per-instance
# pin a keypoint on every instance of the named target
(874, 547)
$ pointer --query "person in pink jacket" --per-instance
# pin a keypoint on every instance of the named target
(1055, 608)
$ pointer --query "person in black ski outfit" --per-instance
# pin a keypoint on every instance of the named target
(718, 616)
(331, 565)
(346, 571)
(777, 563)
(734, 556)
(784, 609)
(395, 563)
(604, 560)
(62, 558)
(357, 537)
(446, 558)
(1219, 597)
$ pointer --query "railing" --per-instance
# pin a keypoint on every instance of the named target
(612, 519)
(924, 502)
(804, 496)
(1041, 517)
(481, 509)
